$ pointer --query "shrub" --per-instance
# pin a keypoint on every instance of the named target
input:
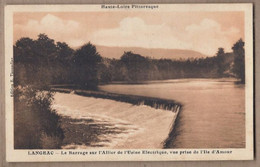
(35, 122)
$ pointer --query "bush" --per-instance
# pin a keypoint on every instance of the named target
(35, 122)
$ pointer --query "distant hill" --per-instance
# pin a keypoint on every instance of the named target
(117, 52)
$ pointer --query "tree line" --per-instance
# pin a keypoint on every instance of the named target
(44, 62)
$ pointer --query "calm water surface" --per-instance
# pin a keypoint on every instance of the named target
(213, 114)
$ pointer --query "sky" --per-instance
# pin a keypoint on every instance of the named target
(204, 32)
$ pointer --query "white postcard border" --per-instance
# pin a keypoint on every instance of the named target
(13, 155)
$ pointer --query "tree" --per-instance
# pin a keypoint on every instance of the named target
(63, 64)
(220, 61)
(104, 71)
(137, 66)
(46, 49)
(24, 51)
(85, 64)
(118, 70)
(64, 53)
(45, 53)
(239, 60)
(24, 58)
(41, 62)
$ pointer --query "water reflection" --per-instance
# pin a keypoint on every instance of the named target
(213, 114)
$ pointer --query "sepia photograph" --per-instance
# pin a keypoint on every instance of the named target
(133, 82)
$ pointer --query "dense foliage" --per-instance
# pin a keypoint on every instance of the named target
(85, 63)
(133, 68)
(36, 124)
(43, 62)
(239, 62)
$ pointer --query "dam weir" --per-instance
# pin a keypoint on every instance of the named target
(156, 103)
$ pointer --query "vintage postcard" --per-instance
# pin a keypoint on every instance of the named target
(129, 82)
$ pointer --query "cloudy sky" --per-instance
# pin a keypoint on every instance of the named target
(204, 32)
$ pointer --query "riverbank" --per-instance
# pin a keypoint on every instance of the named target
(108, 120)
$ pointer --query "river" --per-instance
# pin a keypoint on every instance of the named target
(213, 113)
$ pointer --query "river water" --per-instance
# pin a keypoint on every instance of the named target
(213, 113)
